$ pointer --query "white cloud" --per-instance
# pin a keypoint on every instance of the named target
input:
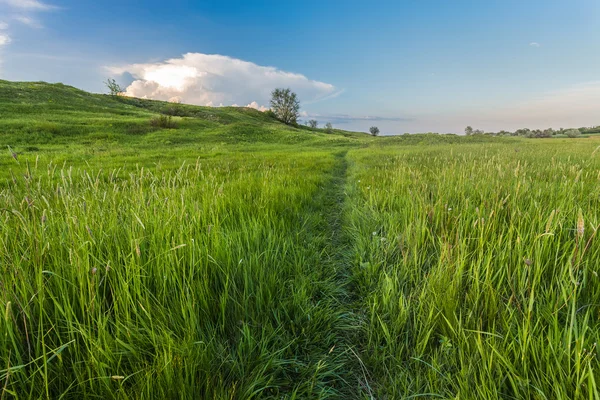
(203, 79)
(534, 44)
(256, 106)
(28, 21)
(33, 5)
(20, 10)
(4, 39)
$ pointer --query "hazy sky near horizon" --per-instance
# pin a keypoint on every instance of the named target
(405, 66)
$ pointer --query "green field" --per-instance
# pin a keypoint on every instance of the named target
(233, 257)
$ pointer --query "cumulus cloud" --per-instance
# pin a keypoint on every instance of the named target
(256, 106)
(208, 79)
(534, 44)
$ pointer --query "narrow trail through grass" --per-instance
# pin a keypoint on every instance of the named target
(337, 257)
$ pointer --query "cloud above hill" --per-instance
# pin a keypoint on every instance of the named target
(212, 79)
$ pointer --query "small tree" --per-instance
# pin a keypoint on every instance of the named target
(113, 87)
(285, 105)
(573, 133)
(468, 131)
(313, 123)
(329, 127)
(374, 130)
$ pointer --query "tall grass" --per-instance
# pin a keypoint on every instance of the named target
(398, 270)
(477, 269)
(205, 281)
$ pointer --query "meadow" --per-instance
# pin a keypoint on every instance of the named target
(229, 256)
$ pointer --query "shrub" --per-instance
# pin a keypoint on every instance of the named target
(113, 87)
(173, 110)
(313, 123)
(163, 121)
(328, 127)
(374, 130)
(573, 133)
(269, 113)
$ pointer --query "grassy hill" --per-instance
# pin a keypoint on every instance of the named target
(233, 257)
(62, 124)
(41, 113)
(65, 124)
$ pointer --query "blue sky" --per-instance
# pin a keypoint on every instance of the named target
(406, 66)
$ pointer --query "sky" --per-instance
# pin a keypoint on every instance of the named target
(404, 66)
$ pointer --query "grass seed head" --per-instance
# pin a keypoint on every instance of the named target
(13, 154)
(580, 224)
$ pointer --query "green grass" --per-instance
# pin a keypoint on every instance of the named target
(233, 257)
(475, 280)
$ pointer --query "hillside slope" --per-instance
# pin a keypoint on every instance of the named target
(34, 113)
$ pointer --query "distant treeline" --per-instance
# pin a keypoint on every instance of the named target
(537, 133)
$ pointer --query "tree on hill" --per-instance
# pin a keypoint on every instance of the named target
(313, 123)
(468, 131)
(114, 88)
(374, 130)
(328, 127)
(285, 105)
